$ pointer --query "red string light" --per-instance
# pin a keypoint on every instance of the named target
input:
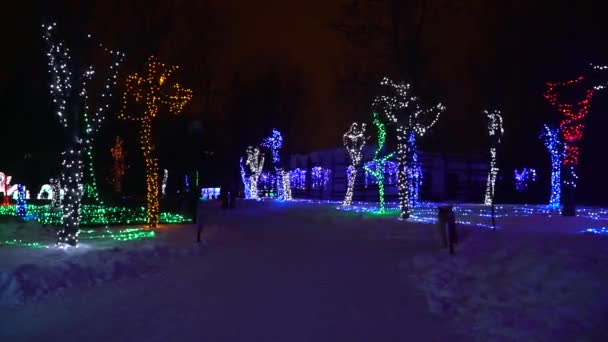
(573, 115)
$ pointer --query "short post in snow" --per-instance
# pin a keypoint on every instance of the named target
(447, 227)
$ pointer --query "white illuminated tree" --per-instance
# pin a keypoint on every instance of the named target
(495, 131)
(69, 91)
(354, 141)
(255, 162)
(401, 108)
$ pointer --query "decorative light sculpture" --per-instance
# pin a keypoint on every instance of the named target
(571, 128)
(401, 108)
(152, 90)
(297, 179)
(245, 179)
(354, 141)
(21, 204)
(163, 187)
(70, 97)
(320, 177)
(379, 160)
(255, 162)
(274, 143)
(551, 139)
(523, 178)
(495, 131)
(5, 180)
(118, 167)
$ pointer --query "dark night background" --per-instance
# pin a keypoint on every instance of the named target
(299, 66)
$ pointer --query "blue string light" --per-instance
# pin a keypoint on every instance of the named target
(551, 139)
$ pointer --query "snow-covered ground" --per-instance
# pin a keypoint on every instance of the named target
(308, 272)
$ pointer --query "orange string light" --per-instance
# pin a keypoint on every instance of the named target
(152, 90)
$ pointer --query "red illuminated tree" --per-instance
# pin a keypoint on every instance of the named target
(119, 168)
(571, 127)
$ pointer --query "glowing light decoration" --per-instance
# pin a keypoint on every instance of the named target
(164, 184)
(297, 179)
(523, 178)
(320, 177)
(379, 160)
(255, 162)
(118, 167)
(401, 108)
(495, 131)
(71, 99)
(210, 193)
(274, 143)
(57, 193)
(5, 180)
(152, 90)
(245, 179)
(571, 129)
(46, 192)
(21, 204)
(391, 171)
(551, 139)
(354, 140)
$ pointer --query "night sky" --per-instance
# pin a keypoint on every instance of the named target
(270, 63)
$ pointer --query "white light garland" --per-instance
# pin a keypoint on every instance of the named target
(255, 162)
(495, 131)
(354, 141)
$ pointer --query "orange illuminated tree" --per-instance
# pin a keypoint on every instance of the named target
(147, 93)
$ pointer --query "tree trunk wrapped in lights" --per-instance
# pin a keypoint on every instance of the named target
(571, 128)
(150, 91)
(401, 108)
(274, 143)
(255, 162)
(354, 141)
(551, 139)
(69, 91)
(379, 160)
(495, 131)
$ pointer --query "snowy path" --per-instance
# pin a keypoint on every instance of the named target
(260, 280)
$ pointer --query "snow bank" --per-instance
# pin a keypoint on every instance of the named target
(81, 267)
(505, 287)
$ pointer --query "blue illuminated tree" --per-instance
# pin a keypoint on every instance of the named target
(274, 144)
(551, 139)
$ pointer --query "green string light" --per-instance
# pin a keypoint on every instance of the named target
(114, 215)
(379, 161)
(21, 243)
(91, 190)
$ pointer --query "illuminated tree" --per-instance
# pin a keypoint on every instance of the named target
(255, 162)
(70, 93)
(551, 139)
(150, 91)
(401, 108)
(274, 143)
(571, 129)
(118, 168)
(354, 141)
(379, 160)
(495, 131)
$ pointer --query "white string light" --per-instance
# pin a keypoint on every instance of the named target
(495, 131)
(401, 108)
(354, 141)
(255, 162)
(61, 88)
